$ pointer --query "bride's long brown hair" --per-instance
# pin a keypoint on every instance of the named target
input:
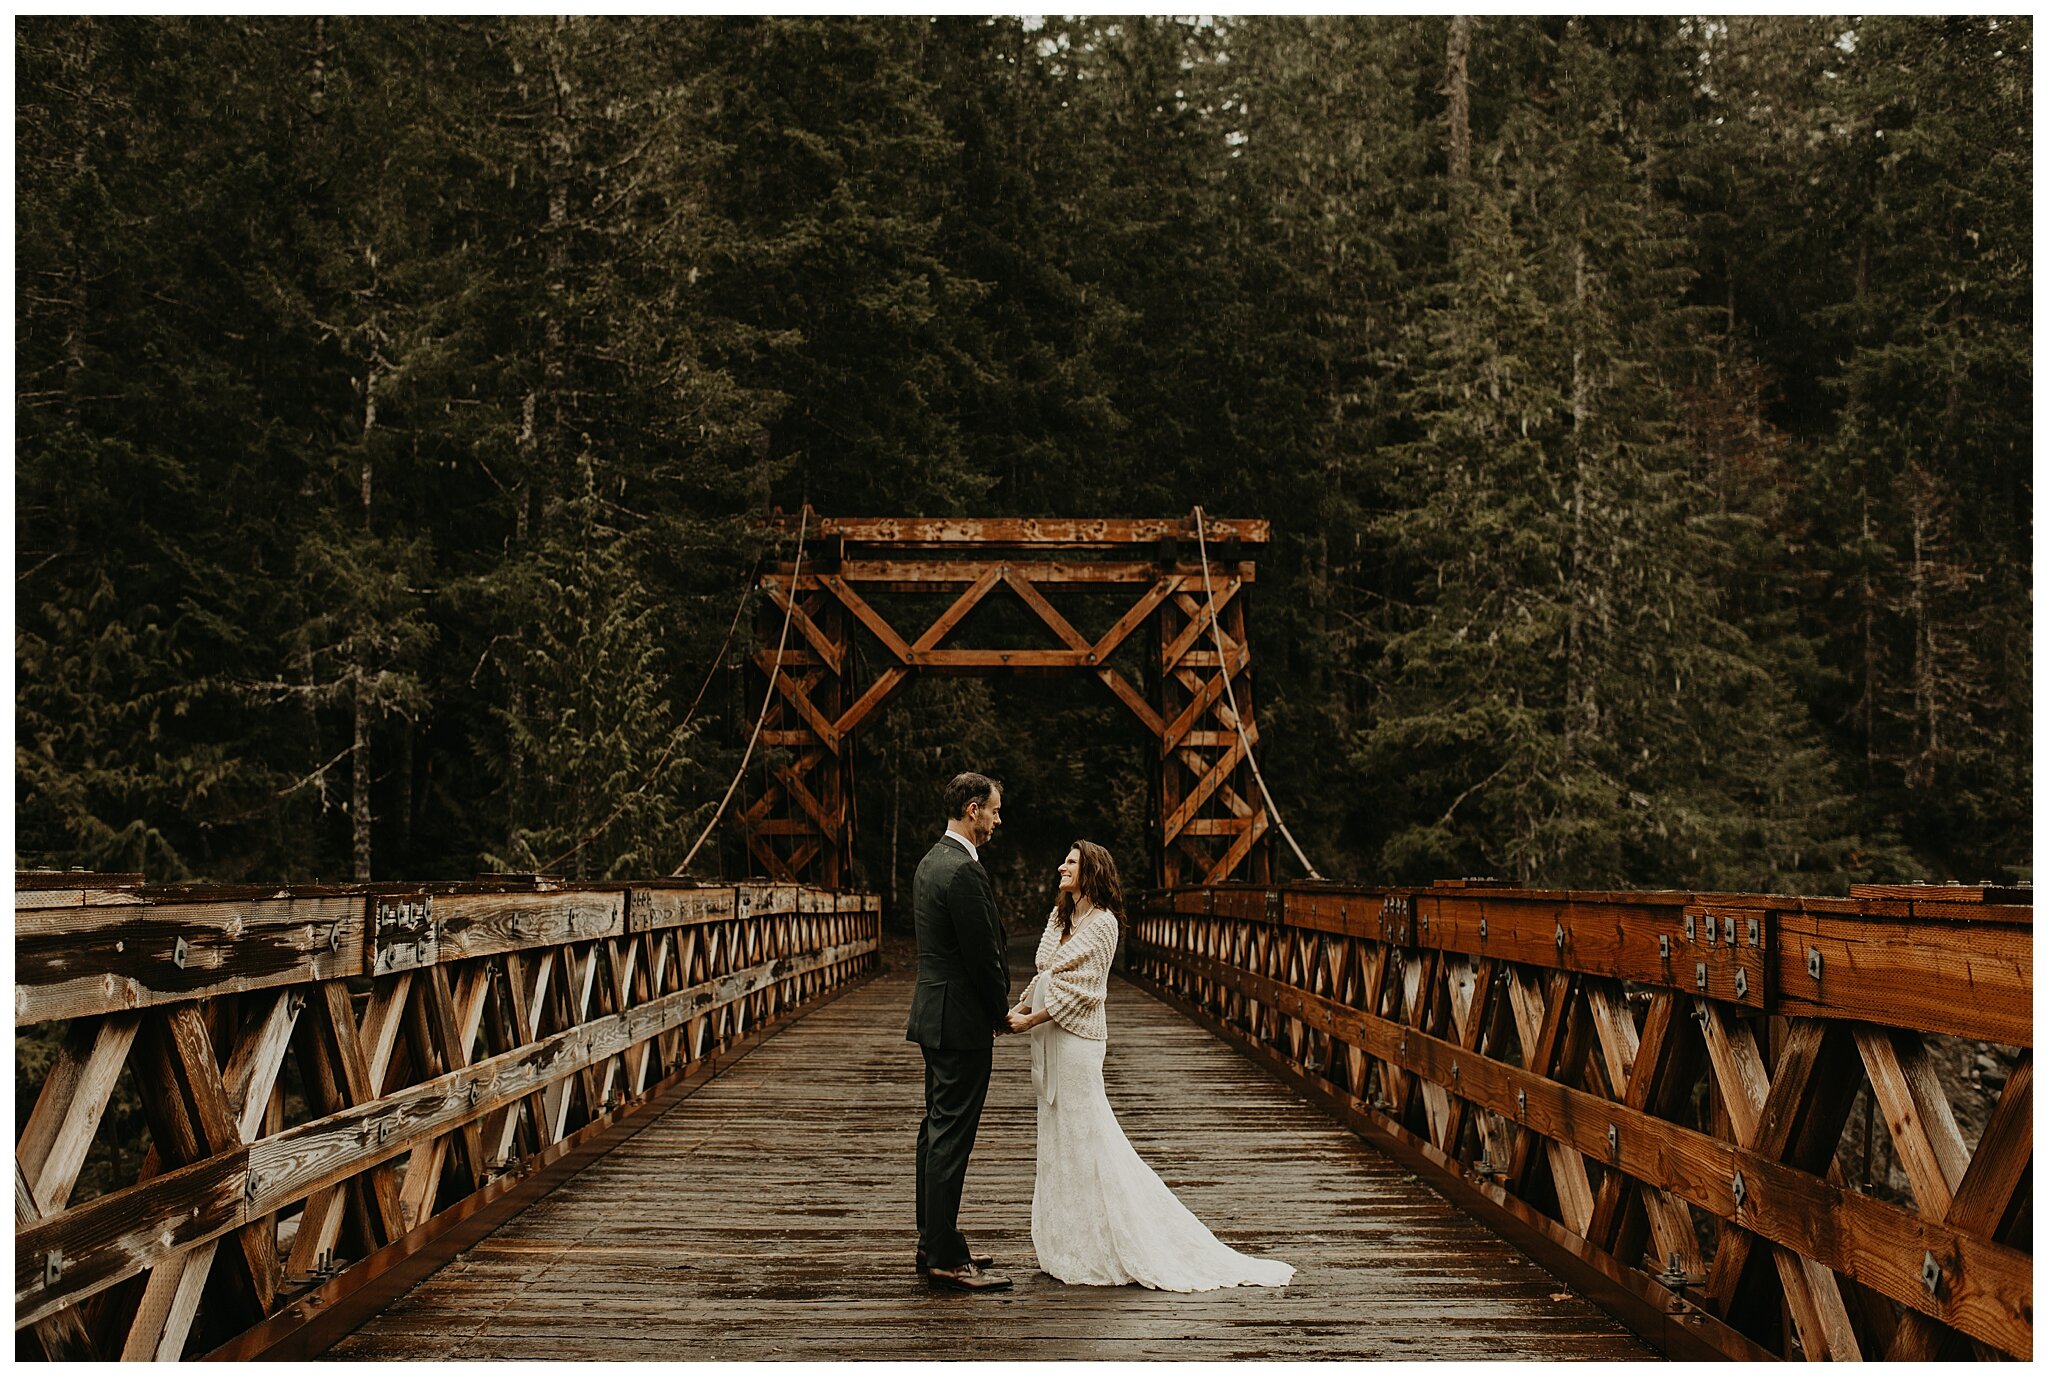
(1096, 882)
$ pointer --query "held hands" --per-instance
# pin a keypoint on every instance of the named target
(1023, 1018)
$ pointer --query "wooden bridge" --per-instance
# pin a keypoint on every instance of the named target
(513, 1119)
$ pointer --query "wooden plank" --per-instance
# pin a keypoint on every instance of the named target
(487, 924)
(1931, 977)
(63, 1336)
(1288, 1163)
(653, 908)
(1917, 1114)
(84, 962)
(70, 1105)
(2004, 1156)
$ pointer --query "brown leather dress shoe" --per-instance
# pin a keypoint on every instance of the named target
(978, 1259)
(967, 1278)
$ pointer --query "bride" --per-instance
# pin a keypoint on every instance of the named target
(1099, 1215)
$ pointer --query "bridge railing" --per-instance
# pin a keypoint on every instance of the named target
(1670, 1098)
(325, 1072)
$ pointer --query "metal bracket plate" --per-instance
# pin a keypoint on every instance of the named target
(404, 934)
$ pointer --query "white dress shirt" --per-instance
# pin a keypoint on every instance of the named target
(961, 837)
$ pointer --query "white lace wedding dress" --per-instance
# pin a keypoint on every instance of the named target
(1099, 1215)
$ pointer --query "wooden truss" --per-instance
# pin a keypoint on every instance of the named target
(1209, 822)
(446, 1038)
(1649, 1092)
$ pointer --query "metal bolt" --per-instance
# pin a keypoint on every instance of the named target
(1521, 1104)
(1699, 974)
(1751, 931)
(1708, 936)
(1741, 983)
(178, 954)
(1613, 1141)
(1560, 936)
(1728, 929)
(53, 1266)
(1482, 929)
(1688, 927)
(1930, 1274)
(1674, 1274)
(1741, 1191)
(1663, 946)
(334, 936)
(1813, 962)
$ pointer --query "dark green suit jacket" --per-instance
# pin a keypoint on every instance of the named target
(963, 974)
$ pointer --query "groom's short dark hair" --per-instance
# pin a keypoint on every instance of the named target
(968, 788)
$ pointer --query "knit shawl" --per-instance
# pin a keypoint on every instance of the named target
(1077, 974)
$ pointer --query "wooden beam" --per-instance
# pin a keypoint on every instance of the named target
(866, 615)
(1133, 618)
(827, 649)
(2004, 1155)
(1206, 785)
(928, 575)
(962, 605)
(1085, 534)
(70, 1105)
(1047, 613)
(1211, 692)
(1198, 622)
(1132, 699)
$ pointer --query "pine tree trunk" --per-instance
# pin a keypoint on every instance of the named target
(1579, 702)
(1458, 106)
(359, 797)
(359, 749)
(316, 84)
(895, 824)
(1925, 709)
(1869, 610)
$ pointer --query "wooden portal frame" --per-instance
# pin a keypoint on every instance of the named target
(1208, 818)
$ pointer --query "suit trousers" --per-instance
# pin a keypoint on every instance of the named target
(955, 1089)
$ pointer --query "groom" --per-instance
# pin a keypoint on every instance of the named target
(962, 998)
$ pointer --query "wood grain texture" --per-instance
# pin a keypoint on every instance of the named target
(770, 1216)
(1988, 1296)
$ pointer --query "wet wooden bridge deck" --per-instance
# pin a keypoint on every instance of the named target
(769, 1216)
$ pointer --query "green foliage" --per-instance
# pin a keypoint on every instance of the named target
(1651, 502)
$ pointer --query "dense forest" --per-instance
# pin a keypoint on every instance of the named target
(1643, 407)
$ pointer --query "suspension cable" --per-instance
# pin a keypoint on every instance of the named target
(788, 611)
(675, 738)
(1237, 718)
